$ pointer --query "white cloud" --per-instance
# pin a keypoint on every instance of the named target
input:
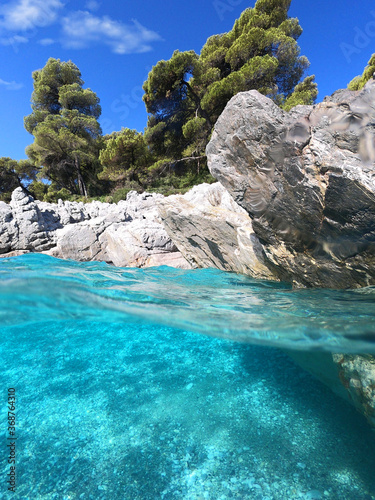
(92, 5)
(46, 41)
(82, 29)
(24, 15)
(79, 29)
(13, 40)
(11, 85)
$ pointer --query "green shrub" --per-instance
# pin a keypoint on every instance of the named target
(53, 196)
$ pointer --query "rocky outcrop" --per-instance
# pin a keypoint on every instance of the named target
(350, 376)
(203, 228)
(307, 180)
(211, 230)
(127, 234)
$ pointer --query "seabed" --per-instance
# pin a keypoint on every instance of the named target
(141, 412)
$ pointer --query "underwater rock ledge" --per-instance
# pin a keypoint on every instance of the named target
(350, 376)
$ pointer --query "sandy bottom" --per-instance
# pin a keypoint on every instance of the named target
(134, 412)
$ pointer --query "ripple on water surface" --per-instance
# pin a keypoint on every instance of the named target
(204, 300)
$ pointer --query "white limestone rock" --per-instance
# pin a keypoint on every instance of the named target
(129, 233)
(211, 230)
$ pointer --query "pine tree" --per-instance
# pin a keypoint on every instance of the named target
(186, 95)
(64, 123)
(125, 156)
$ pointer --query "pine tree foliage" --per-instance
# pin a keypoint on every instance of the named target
(360, 81)
(124, 156)
(65, 126)
(186, 94)
(184, 97)
(14, 174)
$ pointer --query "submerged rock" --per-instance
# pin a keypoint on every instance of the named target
(351, 376)
(307, 180)
(357, 374)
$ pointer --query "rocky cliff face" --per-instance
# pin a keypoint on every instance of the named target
(307, 180)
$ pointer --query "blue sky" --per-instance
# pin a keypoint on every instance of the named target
(115, 44)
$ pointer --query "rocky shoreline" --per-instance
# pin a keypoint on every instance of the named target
(295, 202)
(126, 234)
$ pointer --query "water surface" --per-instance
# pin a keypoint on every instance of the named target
(207, 301)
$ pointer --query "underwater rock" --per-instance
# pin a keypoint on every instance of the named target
(351, 376)
(211, 230)
(307, 180)
(357, 374)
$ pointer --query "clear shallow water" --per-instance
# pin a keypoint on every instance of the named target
(205, 300)
(110, 406)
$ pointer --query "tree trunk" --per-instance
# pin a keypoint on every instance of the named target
(81, 183)
(24, 189)
(197, 100)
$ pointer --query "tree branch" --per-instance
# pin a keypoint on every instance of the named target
(197, 100)
(190, 158)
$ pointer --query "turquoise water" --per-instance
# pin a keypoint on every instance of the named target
(207, 301)
(119, 397)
